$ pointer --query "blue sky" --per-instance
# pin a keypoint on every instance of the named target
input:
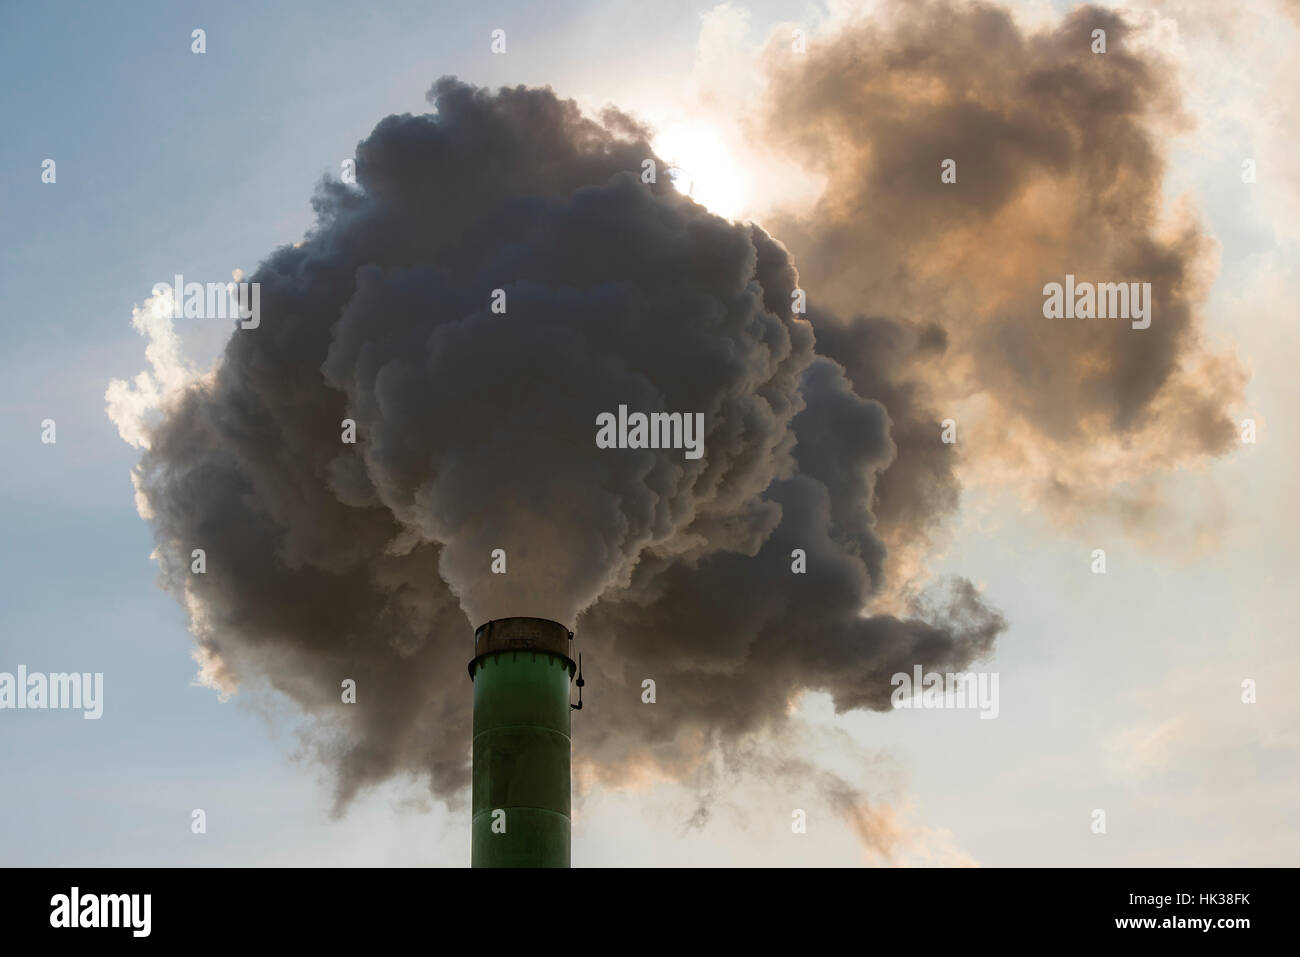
(170, 162)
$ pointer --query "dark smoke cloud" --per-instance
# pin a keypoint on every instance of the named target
(935, 289)
(476, 431)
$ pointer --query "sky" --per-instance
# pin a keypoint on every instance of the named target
(1119, 691)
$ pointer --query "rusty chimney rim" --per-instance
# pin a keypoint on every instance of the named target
(522, 634)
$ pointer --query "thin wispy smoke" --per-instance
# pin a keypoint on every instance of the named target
(475, 431)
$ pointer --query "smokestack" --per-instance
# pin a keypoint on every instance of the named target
(521, 791)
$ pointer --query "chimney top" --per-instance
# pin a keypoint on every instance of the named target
(522, 634)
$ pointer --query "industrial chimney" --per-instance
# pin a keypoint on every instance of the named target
(521, 791)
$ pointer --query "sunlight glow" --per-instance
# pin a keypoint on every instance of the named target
(703, 168)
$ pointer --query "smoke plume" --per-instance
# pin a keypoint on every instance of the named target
(935, 289)
(475, 438)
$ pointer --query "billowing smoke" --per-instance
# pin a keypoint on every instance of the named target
(499, 277)
(1058, 148)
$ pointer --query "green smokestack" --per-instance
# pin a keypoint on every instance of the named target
(521, 792)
